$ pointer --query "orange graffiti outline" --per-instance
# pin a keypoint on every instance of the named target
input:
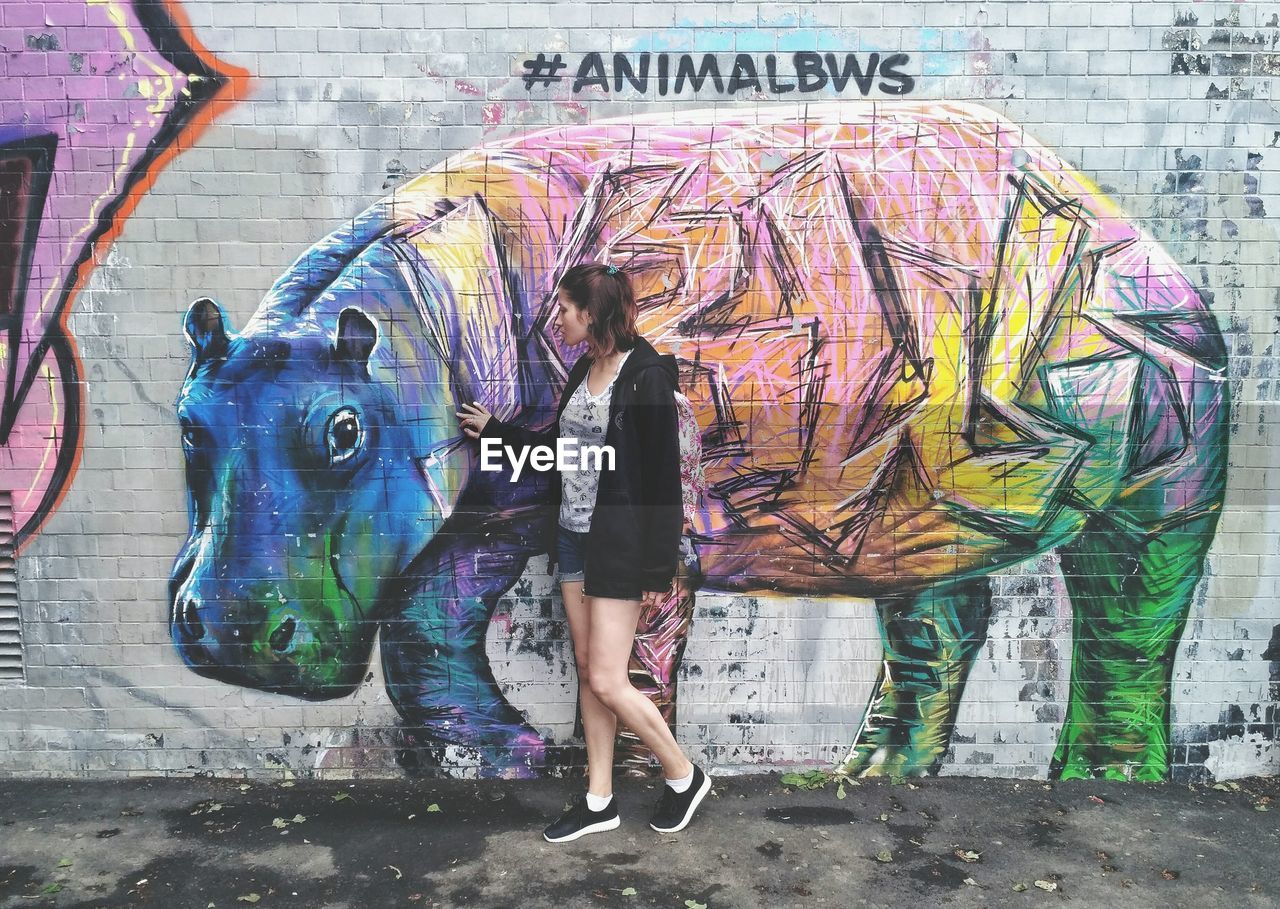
(237, 79)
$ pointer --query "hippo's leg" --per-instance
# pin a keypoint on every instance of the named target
(661, 636)
(1131, 595)
(436, 668)
(930, 640)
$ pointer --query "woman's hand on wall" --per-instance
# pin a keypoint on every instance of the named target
(473, 418)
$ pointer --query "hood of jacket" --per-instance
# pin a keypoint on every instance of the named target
(644, 356)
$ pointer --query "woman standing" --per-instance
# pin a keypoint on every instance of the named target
(615, 531)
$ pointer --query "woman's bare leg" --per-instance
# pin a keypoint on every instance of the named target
(612, 632)
(599, 725)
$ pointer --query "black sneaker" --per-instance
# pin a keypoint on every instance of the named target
(675, 809)
(580, 820)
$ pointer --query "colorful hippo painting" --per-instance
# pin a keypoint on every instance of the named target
(921, 349)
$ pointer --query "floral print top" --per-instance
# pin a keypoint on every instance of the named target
(584, 418)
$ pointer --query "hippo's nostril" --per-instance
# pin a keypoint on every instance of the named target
(282, 637)
(191, 619)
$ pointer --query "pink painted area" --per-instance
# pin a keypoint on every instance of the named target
(87, 75)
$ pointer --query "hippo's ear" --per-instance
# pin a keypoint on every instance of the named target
(357, 337)
(206, 328)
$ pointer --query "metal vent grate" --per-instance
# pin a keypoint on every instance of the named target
(10, 633)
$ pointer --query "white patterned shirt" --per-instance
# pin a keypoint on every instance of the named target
(586, 419)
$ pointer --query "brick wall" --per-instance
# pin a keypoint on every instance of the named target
(205, 161)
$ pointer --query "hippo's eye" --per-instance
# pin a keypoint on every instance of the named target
(343, 435)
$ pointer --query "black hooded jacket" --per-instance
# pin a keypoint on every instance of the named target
(634, 538)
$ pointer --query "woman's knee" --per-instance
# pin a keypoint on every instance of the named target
(604, 685)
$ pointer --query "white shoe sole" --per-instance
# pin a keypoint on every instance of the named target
(598, 827)
(693, 806)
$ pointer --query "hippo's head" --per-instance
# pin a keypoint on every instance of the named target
(304, 505)
(322, 451)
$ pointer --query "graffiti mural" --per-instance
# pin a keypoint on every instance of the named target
(920, 347)
(122, 87)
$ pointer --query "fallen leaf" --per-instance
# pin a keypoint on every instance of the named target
(840, 790)
(1047, 885)
(397, 871)
(299, 818)
(1020, 887)
(248, 898)
(628, 891)
(1169, 874)
(244, 787)
(1227, 787)
(1261, 806)
(342, 797)
(279, 823)
(885, 856)
(51, 888)
(884, 817)
(694, 904)
(433, 807)
(968, 855)
(810, 779)
(1096, 800)
(971, 882)
(287, 784)
(65, 863)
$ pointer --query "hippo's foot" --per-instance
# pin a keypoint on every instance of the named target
(903, 735)
(518, 754)
(1130, 595)
(1126, 738)
(930, 639)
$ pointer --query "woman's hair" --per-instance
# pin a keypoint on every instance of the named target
(604, 291)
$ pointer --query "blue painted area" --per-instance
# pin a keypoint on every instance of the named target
(712, 41)
(757, 41)
(940, 64)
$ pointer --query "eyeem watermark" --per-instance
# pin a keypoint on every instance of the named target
(567, 455)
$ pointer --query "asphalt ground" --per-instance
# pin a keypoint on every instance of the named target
(229, 844)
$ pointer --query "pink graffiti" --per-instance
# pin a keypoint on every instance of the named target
(96, 97)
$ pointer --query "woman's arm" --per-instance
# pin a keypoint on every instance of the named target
(519, 436)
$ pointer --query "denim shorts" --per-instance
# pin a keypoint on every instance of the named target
(571, 554)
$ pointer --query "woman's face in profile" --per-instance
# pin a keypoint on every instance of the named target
(570, 320)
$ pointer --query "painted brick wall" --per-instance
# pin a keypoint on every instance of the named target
(302, 114)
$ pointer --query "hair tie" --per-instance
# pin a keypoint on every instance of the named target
(611, 269)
